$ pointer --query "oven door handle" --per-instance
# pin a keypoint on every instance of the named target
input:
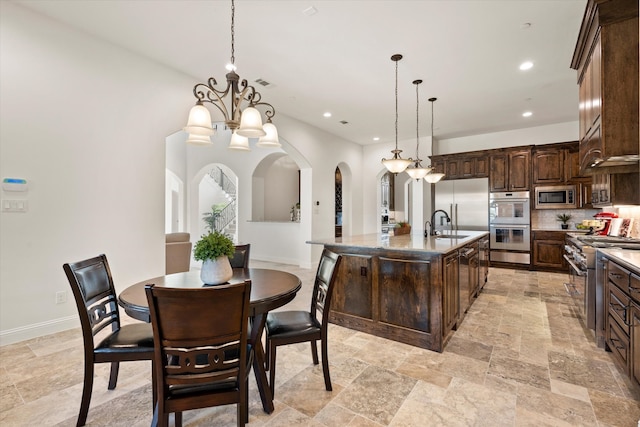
(508, 226)
(577, 270)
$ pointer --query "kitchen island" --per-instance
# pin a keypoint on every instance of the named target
(409, 288)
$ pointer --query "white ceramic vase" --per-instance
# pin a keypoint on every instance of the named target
(216, 271)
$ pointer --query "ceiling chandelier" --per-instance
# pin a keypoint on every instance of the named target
(432, 177)
(417, 171)
(244, 121)
(396, 164)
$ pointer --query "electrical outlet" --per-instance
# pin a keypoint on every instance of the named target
(61, 297)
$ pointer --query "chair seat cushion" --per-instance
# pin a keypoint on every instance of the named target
(132, 338)
(291, 323)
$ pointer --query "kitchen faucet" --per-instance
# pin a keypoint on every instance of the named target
(432, 227)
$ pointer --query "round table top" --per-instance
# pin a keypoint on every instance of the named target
(270, 289)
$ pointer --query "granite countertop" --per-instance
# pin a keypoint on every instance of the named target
(627, 257)
(405, 242)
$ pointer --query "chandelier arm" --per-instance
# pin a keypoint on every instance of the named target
(208, 93)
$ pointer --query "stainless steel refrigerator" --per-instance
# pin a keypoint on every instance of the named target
(466, 201)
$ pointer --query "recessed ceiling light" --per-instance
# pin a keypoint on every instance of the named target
(376, 138)
(327, 114)
(527, 114)
(527, 65)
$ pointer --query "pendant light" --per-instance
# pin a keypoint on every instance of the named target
(417, 171)
(237, 103)
(432, 177)
(396, 164)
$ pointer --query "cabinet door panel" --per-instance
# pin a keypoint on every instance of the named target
(635, 342)
(450, 293)
(352, 293)
(498, 173)
(519, 169)
(548, 166)
(403, 296)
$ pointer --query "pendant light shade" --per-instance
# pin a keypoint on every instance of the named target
(201, 140)
(199, 122)
(251, 124)
(239, 143)
(270, 140)
(396, 164)
(432, 177)
(417, 172)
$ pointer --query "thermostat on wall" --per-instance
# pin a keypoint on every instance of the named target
(14, 184)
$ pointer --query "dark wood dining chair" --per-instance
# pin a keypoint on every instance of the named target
(290, 327)
(96, 300)
(202, 356)
(241, 256)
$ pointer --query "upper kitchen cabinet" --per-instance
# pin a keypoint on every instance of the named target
(509, 170)
(462, 165)
(606, 58)
(549, 166)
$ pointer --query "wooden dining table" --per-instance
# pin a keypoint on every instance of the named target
(270, 289)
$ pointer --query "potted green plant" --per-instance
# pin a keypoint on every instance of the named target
(214, 250)
(402, 227)
(564, 218)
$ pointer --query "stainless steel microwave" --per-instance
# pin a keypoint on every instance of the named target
(556, 197)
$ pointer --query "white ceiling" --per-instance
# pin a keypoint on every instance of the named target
(467, 52)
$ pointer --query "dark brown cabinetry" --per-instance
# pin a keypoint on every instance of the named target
(559, 164)
(549, 166)
(468, 276)
(450, 292)
(635, 341)
(548, 250)
(616, 189)
(509, 170)
(462, 166)
(606, 58)
(622, 326)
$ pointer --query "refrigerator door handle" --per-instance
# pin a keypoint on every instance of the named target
(456, 216)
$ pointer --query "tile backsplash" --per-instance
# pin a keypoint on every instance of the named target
(545, 219)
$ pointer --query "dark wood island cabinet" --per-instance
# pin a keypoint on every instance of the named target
(405, 288)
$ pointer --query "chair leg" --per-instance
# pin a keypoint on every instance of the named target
(272, 368)
(325, 364)
(154, 391)
(177, 417)
(87, 388)
(314, 352)
(113, 377)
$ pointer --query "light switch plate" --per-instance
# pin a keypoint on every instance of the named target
(20, 205)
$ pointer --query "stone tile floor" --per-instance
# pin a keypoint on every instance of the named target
(522, 357)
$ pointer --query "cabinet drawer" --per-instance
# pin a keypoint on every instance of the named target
(618, 307)
(618, 343)
(618, 275)
(634, 287)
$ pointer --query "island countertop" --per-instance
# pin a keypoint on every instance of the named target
(406, 242)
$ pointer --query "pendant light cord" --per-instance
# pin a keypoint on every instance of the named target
(233, 33)
(396, 105)
(417, 118)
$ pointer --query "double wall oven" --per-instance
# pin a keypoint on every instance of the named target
(509, 227)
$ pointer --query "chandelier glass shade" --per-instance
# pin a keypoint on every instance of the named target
(418, 171)
(432, 177)
(396, 164)
(237, 103)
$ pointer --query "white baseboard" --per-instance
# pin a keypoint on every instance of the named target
(36, 330)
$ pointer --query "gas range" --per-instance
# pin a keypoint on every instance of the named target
(581, 249)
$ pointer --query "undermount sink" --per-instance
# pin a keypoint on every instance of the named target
(450, 236)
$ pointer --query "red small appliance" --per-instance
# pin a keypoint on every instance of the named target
(605, 217)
